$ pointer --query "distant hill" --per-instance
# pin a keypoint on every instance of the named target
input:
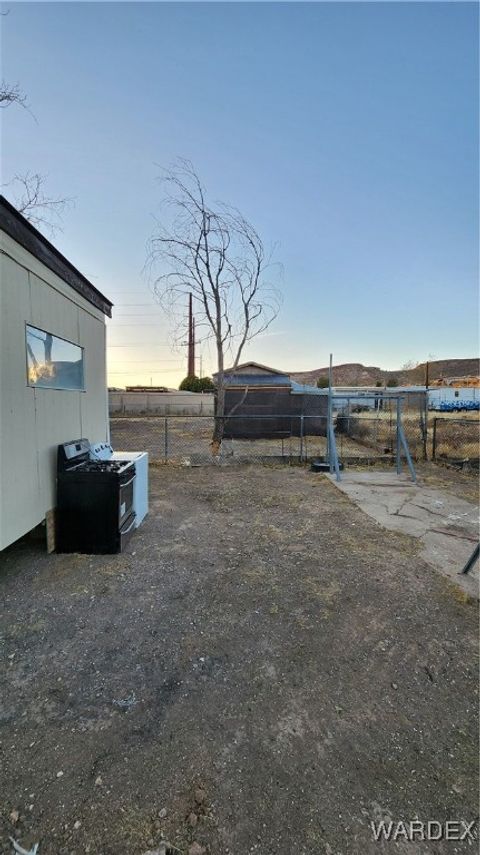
(356, 374)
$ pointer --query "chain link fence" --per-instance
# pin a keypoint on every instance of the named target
(292, 439)
(456, 441)
(365, 432)
(187, 440)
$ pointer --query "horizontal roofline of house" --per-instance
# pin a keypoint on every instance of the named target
(16, 226)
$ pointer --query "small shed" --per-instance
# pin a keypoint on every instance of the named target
(52, 369)
(265, 403)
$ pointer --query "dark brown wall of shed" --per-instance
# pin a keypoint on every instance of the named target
(276, 412)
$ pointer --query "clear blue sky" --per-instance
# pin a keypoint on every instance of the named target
(345, 132)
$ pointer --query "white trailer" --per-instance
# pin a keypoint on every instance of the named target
(52, 369)
(451, 395)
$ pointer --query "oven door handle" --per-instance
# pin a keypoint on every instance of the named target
(129, 527)
(127, 482)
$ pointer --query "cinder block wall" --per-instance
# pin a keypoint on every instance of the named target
(160, 403)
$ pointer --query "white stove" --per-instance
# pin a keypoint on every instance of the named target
(104, 451)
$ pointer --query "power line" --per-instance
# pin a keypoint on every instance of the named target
(133, 324)
(138, 314)
(140, 344)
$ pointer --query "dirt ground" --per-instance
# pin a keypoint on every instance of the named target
(463, 485)
(265, 670)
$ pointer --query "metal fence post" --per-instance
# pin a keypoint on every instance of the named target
(166, 440)
(398, 456)
(301, 439)
(404, 444)
(434, 439)
(471, 561)
(329, 414)
(425, 427)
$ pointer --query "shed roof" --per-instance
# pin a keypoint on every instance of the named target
(17, 227)
(243, 369)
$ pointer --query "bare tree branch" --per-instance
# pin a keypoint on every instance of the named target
(11, 94)
(37, 207)
(215, 254)
(29, 197)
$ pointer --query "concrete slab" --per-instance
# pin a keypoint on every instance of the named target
(446, 526)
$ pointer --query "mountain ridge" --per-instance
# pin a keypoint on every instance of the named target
(357, 374)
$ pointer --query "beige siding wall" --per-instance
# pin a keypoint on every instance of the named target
(34, 421)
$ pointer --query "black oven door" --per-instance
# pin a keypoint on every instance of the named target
(125, 498)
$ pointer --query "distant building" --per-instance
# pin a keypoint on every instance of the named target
(147, 389)
(457, 397)
(438, 396)
(266, 403)
(459, 382)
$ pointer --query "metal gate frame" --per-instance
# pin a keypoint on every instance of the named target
(401, 440)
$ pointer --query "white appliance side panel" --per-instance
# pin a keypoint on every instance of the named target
(140, 486)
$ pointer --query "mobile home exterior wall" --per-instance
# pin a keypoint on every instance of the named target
(451, 394)
(33, 420)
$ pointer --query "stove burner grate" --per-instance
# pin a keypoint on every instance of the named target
(102, 466)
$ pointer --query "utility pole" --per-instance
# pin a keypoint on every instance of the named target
(191, 340)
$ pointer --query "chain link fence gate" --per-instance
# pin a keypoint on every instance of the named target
(370, 421)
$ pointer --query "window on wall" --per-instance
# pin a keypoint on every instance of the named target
(52, 362)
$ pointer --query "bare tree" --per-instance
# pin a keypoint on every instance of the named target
(11, 94)
(32, 201)
(215, 254)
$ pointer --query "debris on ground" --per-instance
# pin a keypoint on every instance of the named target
(125, 703)
(21, 850)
